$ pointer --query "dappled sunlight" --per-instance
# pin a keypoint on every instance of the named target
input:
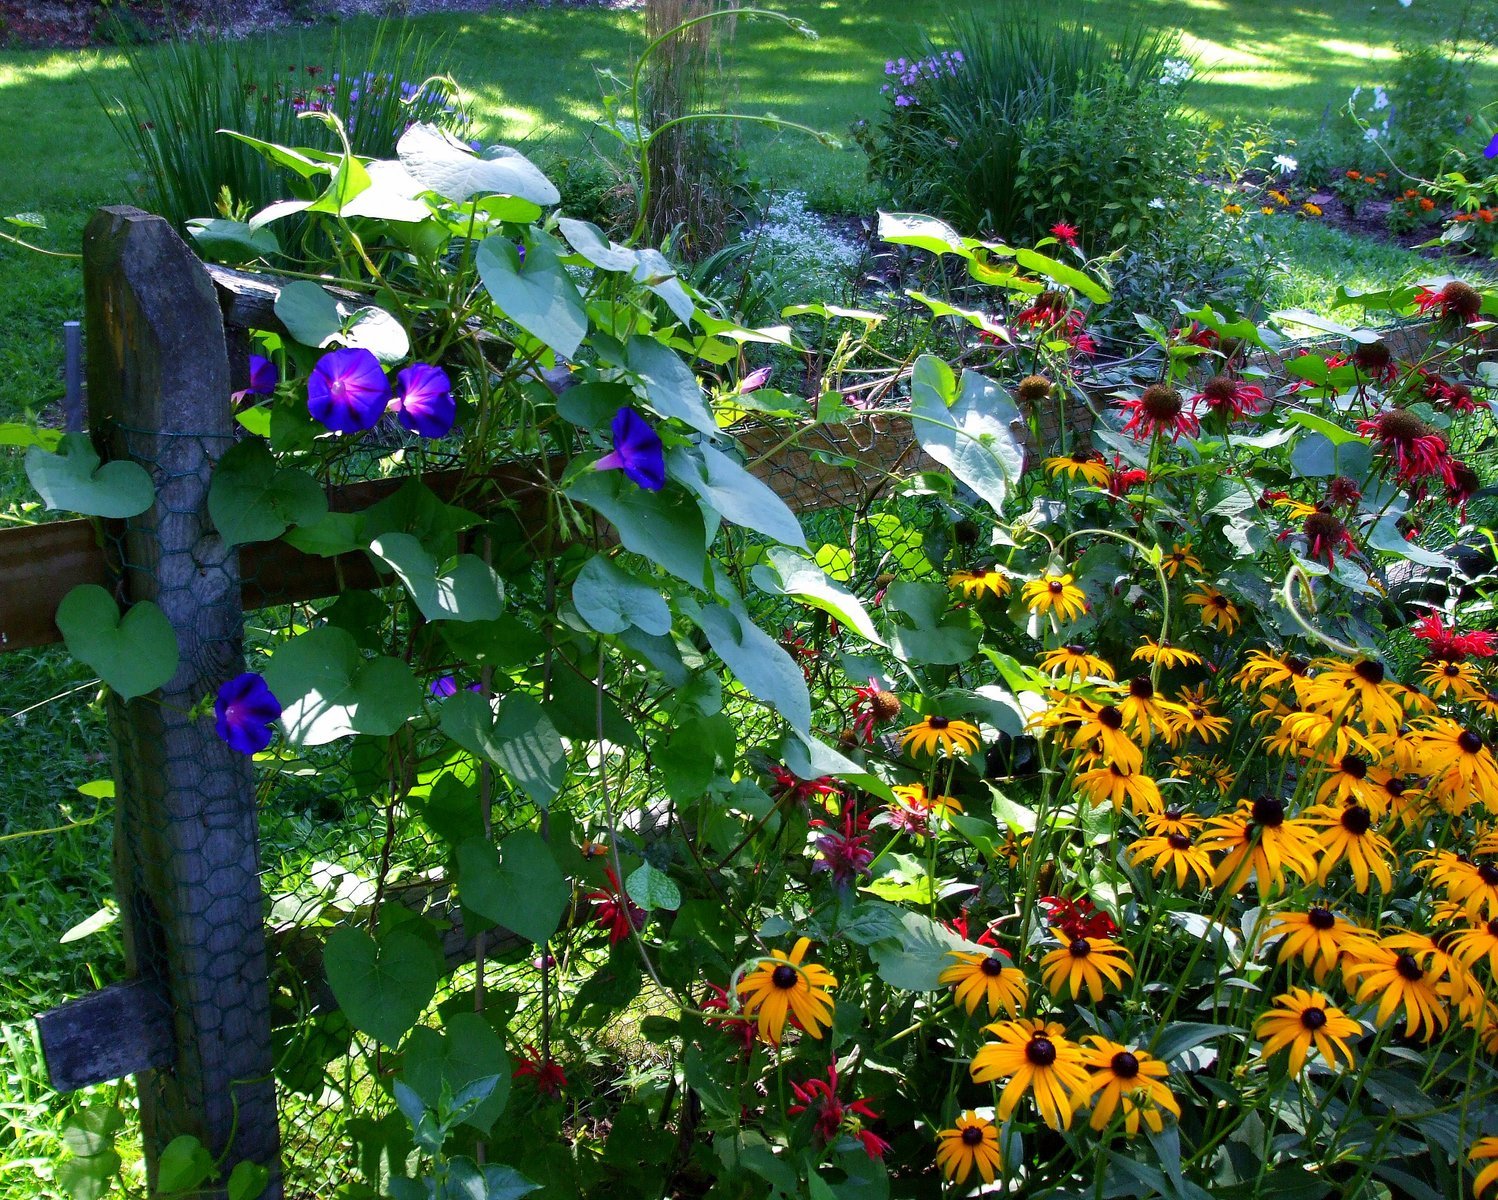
(1360, 51)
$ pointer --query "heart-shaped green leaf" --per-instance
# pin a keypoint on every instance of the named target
(382, 986)
(72, 480)
(523, 743)
(133, 655)
(455, 172)
(467, 1049)
(976, 433)
(253, 500)
(329, 690)
(611, 600)
(520, 888)
(664, 527)
(537, 295)
(760, 662)
(468, 590)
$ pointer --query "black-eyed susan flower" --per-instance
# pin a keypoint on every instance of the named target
(1085, 963)
(1145, 713)
(1356, 690)
(1459, 763)
(1194, 714)
(1302, 734)
(1036, 1057)
(1057, 594)
(1301, 1019)
(1218, 612)
(1087, 465)
(1167, 655)
(1470, 946)
(991, 581)
(1180, 556)
(1111, 785)
(1269, 671)
(1075, 661)
(1127, 1081)
(1395, 979)
(1318, 937)
(913, 799)
(783, 988)
(1347, 833)
(1173, 820)
(1456, 679)
(986, 978)
(1176, 852)
(1259, 842)
(940, 735)
(1346, 781)
(1100, 731)
(1211, 771)
(1484, 1148)
(973, 1141)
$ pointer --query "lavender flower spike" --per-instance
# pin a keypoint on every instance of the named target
(424, 401)
(637, 451)
(347, 390)
(244, 711)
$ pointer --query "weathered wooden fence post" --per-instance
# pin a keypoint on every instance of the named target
(186, 853)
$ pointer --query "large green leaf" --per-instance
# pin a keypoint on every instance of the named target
(1079, 281)
(926, 233)
(803, 580)
(665, 527)
(382, 986)
(976, 433)
(670, 385)
(73, 481)
(611, 600)
(519, 888)
(523, 743)
(133, 655)
(1315, 455)
(758, 660)
(466, 1050)
(232, 241)
(309, 313)
(455, 172)
(329, 690)
(253, 500)
(727, 488)
(919, 955)
(537, 295)
(1386, 536)
(935, 635)
(466, 590)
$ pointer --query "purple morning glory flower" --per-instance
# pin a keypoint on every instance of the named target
(446, 685)
(755, 380)
(347, 390)
(424, 401)
(263, 376)
(637, 451)
(243, 712)
(1491, 149)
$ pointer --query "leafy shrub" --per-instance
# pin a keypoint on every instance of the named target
(187, 91)
(1028, 121)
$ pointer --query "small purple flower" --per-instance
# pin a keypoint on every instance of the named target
(347, 390)
(637, 451)
(755, 380)
(443, 687)
(263, 376)
(424, 401)
(1491, 149)
(243, 712)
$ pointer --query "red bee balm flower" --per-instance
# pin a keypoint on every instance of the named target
(833, 1116)
(1077, 918)
(1447, 645)
(545, 1073)
(615, 911)
(1160, 409)
(1417, 449)
(1457, 301)
(1065, 233)
(1231, 397)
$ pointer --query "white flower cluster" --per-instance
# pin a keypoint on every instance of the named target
(796, 243)
(1174, 71)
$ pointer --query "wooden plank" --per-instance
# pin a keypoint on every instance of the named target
(120, 1030)
(187, 867)
(39, 565)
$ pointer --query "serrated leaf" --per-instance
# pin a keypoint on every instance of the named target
(133, 654)
(72, 480)
(520, 887)
(251, 499)
(652, 889)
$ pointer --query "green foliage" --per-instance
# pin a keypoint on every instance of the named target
(133, 654)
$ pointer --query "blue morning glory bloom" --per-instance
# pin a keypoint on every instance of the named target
(1491, 150)
(263, 376)
(424, 401)
(637, 451)
(244, 711)
(347, 390)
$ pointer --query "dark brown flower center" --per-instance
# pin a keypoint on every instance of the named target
(937, 723)
(1369, 671)
(1324, 527)
(1038, 387)
(1356, 819)
(992, 965)
(1400, 425)
(1461, 299)
(972, 1135)
(1080, 948)
(1372, 356)
(1313, 1019)
(1219, 390)
(1125, 1065)
(1320, 918)
(1269, 812)
(1469, 742)
(784, 977)
(1141, 688)
(1161, 403)
(1056, 587)
(1076, 649)
(1488, 873)
(1040, 1051)
(1296, 666)
(1174, 814)
(1179, 841)
(1493, 927)
(1110, 717)
(884, 705)
(1408, 968)
(1353, 765)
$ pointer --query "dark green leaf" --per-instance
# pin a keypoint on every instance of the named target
(663, 527)
(466, 1050)
(520, 888)
(133, 655)
(611, 600)
(538, 295)
(73, 481)
(382, 986)
(253, 500)
(329, 690)
(467, 589)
